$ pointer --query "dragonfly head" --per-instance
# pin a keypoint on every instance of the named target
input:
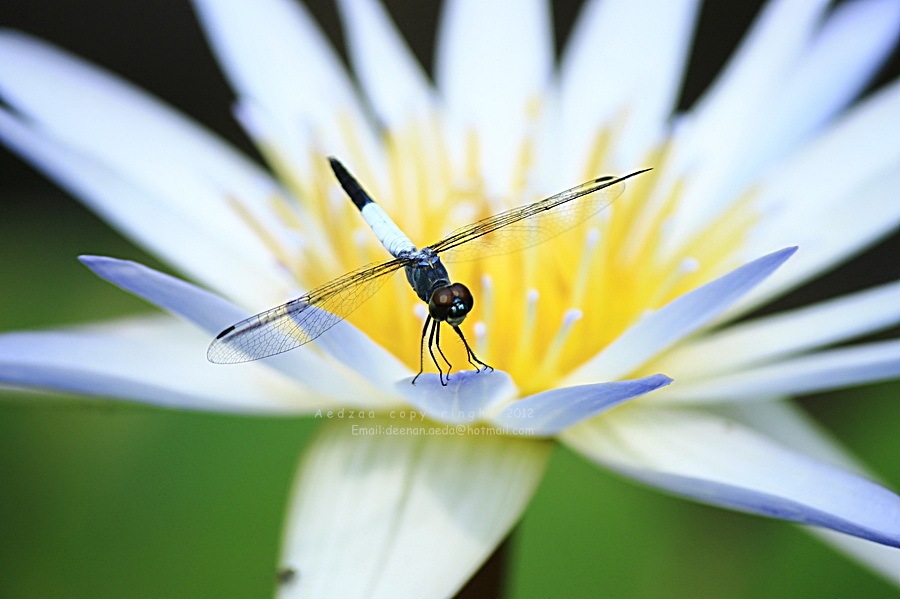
(451, 303)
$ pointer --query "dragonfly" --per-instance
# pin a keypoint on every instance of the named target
(305, 318)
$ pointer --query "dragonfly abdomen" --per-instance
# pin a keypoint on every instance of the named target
(389, 234)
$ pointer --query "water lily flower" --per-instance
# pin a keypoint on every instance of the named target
(586, 331)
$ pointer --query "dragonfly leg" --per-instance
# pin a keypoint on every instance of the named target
(470, 355)
(437, 343)
(431, 335)
(422, 350)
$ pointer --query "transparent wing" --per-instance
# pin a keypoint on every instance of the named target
(301, 320)
(525, 226)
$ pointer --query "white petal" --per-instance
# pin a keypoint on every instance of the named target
(144, 217)
(717, 461)
(467, 398)
(413, 515)
(146, 142)
(491, 83)
(213, 314)
(551, 412)
(626, 59)
(762, 63)
(788, 424)
(157, 361)
(356, 350)
(828, 236)
(102, 115)
(388, 71)
(801, 187)
(275, 54)
(765, 57)
(791, 427)
(679, 318)
(821, 371)
(844, 56)
(881, 559)
(207, 310)
(845, 53)
(774, 337)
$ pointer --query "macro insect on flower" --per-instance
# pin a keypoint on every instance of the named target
(303, 319)
(586, 330)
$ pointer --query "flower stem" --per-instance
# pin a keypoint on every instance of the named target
(491, 579)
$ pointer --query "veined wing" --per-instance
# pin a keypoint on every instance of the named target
(525, 226)
(300, 320)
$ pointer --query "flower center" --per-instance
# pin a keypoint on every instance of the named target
(539, 313)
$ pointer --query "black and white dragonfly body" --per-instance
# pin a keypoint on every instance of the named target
(303, 319)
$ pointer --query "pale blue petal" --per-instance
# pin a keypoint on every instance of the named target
(787, 424)
(677, 319)
(766, 55)
(467, 398)
(857, 496)
(157, 361)
(207, 310)
(784, 334)
(356, 350)
(213, 314)
(550, 412)
(820, 371)
(828, 236)
(715, 460)
(883, 560)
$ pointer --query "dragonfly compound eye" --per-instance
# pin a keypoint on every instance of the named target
(451, 303)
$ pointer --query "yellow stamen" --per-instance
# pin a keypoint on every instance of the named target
(539, 313)
(586, 267)
(527, 331)
(281, 254)
(550, 364)
(481, 341)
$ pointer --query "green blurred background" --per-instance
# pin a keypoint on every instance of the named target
(104, 499)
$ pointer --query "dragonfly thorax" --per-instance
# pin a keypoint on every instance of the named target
(451, 303)
(425, 272)
(423, 257)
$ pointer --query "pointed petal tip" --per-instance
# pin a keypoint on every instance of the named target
(91, 259)
(779, 257)
(550, 412)
(101, 265)
(682, 316)
(661, 380)
(650, 383)
(787, 252)
(773, 260)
